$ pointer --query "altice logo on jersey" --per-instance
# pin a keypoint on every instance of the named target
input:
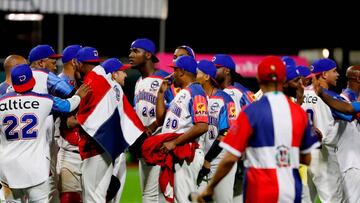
(14, 104)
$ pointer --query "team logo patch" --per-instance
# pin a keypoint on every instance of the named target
(214, 107)
(282, 156)
(22, 78)
(117, 93)
(232, 111)
(200, 109)
(231, 93)
(181, 98)
(154, 85)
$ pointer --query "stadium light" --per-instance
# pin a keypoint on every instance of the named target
(24, 17)
(325, 53)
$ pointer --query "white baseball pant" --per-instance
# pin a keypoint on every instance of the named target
(96, 176)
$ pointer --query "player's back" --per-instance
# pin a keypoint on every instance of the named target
(272, 154)
(23, 143)
(241, 96)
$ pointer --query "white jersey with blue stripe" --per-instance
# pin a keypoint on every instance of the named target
(322, 116)
(187, 108)
(23, 144)
(218, 116)
(49, 83)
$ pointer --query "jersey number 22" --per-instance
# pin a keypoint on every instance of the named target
(11, 123)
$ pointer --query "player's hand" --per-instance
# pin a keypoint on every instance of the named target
(300, 92)
(165, 84)
(168, 146)
(206, 195)
(204, 172)
(83, 90)
(71, 122)
(318, 133)
(316, 86)
(148, 131)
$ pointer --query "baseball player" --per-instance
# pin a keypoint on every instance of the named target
(114, 67)
(220, 117)
(324, 169)
(9, 63)
(187, 114)
(274, 143)
(68, 158)
(229, 79)
(305, 75)
(183, 50)
(348, 150)
(42, 59)
(119, 118)
(24, 167)
(142, 57)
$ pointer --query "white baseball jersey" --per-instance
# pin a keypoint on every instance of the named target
(240, 95)
(146, 90)
(221, 112)
(321, 116)
(23, 145)
(188, 107)
(349, 142)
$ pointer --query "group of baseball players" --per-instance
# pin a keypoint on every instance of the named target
(206, 137)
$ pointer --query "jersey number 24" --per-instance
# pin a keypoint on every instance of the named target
(11, 127)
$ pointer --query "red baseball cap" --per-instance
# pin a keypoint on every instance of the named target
(271, 69)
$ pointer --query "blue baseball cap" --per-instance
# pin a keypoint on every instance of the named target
(70, 52)
(224, 60)
(88, 54)
(288, 61)
(22, 78)
(207, 67)
(41, 52)
(147, 45)
(322, 65)
(304, 71)
(188, 49)
(291, 72)
(186, 63)
(113, 64)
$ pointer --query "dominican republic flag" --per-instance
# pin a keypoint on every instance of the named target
(106, 115)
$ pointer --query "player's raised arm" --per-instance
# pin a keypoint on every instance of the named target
(341, 106)
(69, 105)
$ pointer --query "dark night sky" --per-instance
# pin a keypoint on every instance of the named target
(207, 26)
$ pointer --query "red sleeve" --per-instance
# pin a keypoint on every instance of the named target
(238, 136)
(200, 109)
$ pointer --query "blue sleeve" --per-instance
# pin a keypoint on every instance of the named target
(341, 116)
(223, 119)
(309, 140)
(58, 86)
(168, 97)
(336, 114)
(356, 106)
(61, 105)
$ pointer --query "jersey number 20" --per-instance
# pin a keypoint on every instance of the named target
(11, 123)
